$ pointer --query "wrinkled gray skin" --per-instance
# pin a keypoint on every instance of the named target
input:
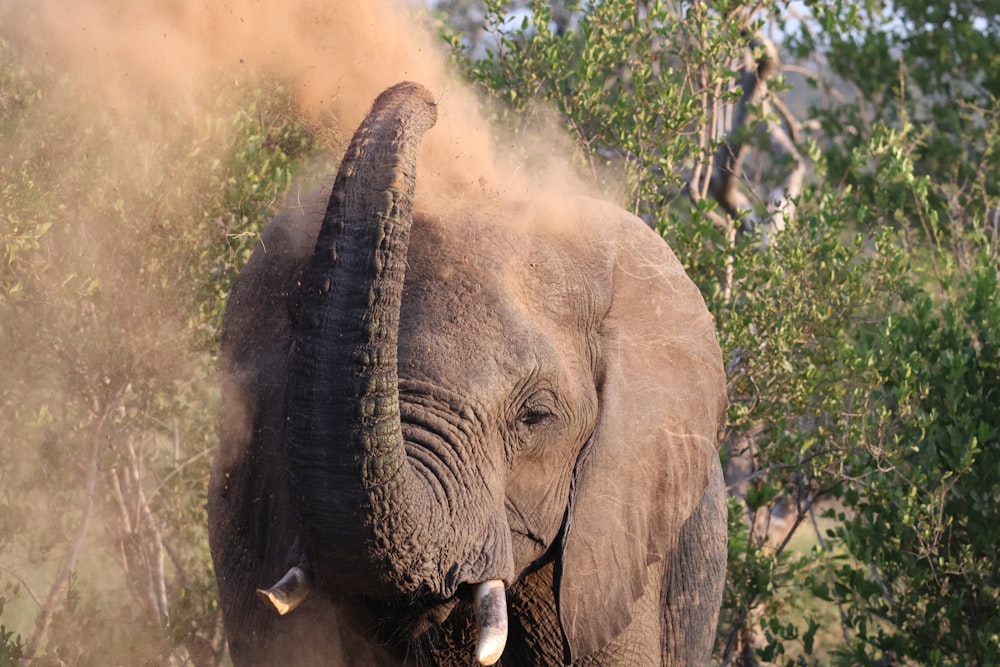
(413, 405)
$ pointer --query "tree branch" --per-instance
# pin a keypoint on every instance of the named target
(760, 64)
(25, 584)
(73, 553)
(727, 167)
(781, 203)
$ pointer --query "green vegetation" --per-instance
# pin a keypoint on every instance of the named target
(114, 267)
(861, 339)
(850, 257)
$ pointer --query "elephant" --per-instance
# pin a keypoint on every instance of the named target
(479, 432)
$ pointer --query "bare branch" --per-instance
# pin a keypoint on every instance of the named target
(794, 126)
(728, 164)
(995, 252)
(23, 583)
(760, 64)
(781, 203)
(153, 545)
(179, 469)
(61, 582)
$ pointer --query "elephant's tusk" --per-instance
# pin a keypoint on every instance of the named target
(490, 601)
(288, 593)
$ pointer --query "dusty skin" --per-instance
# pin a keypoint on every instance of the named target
(516, 400)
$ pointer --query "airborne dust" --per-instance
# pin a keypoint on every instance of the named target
(116, 134)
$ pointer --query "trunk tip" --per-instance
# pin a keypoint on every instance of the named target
(417, 97)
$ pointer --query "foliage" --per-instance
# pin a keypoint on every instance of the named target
(11, 644)
(932, 575)
(117, 252)
(860, 345)
(611, 78)
(801, 392)
(929, 66)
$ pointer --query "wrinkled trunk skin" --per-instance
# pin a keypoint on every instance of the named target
(351, 483)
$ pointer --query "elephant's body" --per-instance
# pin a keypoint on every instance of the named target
(518, 339)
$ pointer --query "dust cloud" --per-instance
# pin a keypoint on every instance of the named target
(109, 397)
(337, 56)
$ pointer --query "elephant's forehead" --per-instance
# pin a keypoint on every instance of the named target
(456, 316)
(464, 319)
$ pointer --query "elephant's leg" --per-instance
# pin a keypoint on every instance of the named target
(694, 581)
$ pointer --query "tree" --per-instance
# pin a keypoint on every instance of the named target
(109, 405)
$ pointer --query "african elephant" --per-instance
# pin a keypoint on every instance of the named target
(508, 414)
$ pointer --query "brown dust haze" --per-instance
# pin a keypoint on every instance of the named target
(108, 394)
(336, 56)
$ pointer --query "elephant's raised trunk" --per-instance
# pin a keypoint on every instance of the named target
(360, 505)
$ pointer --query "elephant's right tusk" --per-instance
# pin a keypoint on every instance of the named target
(490, 602)
(288, 593)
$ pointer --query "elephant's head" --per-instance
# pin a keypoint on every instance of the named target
(470, 398)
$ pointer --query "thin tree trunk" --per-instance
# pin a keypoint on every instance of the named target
(761, 63)
(61, 582)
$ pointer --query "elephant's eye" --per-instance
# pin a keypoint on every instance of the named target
(537, 409)
(531, 417)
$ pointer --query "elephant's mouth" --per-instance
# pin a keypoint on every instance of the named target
(489, 602)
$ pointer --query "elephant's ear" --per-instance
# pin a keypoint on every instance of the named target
(661, 393)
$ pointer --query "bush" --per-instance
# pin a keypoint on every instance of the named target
(120, 231)
(926, 525)
(860, 342)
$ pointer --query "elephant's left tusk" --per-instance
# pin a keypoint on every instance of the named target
(490, 602)
(288, 593)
